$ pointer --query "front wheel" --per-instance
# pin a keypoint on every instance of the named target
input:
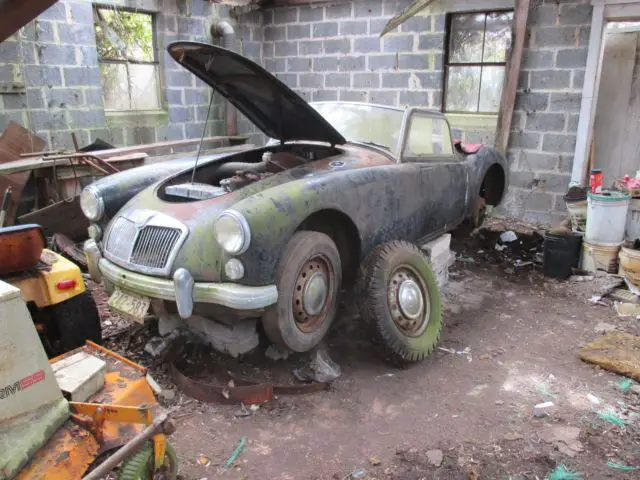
(398, 295)
(308, 280)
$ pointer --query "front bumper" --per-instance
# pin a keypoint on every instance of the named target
(182, 289)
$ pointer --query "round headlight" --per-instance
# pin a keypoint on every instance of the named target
(91, 203)
(234, 269)
(232, 232)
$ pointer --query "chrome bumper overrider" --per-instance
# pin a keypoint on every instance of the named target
(182, 289)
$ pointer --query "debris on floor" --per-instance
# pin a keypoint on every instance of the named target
(319, 369)
(236, 452)
(615, 351)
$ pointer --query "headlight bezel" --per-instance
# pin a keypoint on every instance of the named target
(95, 193)
(243, 228)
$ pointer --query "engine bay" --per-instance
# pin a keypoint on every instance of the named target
(226, 175)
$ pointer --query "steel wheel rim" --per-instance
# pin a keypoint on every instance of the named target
(408, 301)
(312, 293)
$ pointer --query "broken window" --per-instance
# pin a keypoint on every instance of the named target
(128, 61)
(475, 63)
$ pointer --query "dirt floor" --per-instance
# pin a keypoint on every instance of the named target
(510, 341)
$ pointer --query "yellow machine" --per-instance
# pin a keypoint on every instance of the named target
(78, 415)
(53, 287)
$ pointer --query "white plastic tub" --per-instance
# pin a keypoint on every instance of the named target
(606, 217)
(600, 256)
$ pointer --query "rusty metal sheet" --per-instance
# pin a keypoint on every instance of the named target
(66, 246)
(231, 389)
(14, 141)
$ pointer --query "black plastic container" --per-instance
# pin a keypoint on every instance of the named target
(561, 254)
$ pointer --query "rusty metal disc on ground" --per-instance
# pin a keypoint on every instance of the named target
(229, 388)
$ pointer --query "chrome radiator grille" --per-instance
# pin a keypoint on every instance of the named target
(153, 246)
(149, 247)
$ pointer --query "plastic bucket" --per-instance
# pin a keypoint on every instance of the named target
(561, 253)
(600, 256)
(606, 217)
(630, 264)
(577, 213)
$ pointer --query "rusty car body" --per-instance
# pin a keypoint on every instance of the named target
(227, 243)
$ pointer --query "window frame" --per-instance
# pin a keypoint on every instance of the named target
(155, 62)
(447, 63)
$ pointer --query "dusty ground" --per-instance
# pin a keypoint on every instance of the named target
(522, 333)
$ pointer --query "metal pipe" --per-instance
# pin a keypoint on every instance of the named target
(224, 29)
(162, 425)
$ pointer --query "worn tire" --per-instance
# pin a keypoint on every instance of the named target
(279, 321)
(77, 320)
(139, 466)
(376, 275)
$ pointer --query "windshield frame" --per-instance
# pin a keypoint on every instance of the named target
(392, 148)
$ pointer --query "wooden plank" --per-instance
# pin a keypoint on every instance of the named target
(589, 101)
(150, 147)
(31, 164)
(62, 217)
(15, 140)
(508, 98)
(614, 95)
(16, 15)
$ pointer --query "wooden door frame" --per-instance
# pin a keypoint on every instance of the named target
(603, 11)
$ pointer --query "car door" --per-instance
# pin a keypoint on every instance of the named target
(426, 142)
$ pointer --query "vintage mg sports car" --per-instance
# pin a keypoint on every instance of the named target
(267, 235)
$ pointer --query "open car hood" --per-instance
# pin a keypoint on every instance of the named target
(261, 97)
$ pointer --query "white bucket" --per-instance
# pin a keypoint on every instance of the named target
(633, 220)
(600, 256)
(606, 217)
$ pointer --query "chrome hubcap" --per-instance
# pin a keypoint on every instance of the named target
(315, 294)
(410, 299)
(312, 294)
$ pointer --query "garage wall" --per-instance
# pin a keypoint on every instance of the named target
(50, 78)
(333, 52)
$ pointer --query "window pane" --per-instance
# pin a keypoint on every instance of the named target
(115, 87)
(463, 87)
(497, 37)
(123, 35)
(491, 88)
(144, 87)
(467, 33)
(428, 136)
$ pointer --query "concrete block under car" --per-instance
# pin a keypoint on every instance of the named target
(441, 257)
(80, 375)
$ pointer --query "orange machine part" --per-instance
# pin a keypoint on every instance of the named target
(66, 455)
(20, 248)
(73, 448)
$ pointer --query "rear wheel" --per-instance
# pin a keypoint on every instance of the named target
(308, 281)
(76, 320)
(398, 295)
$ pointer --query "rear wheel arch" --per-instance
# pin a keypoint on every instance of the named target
(493, 185)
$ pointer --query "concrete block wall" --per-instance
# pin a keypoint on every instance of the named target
(56, 57)
(334, 52)
(547, 108)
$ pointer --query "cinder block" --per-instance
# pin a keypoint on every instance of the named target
(437, 247)
(80, 375)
